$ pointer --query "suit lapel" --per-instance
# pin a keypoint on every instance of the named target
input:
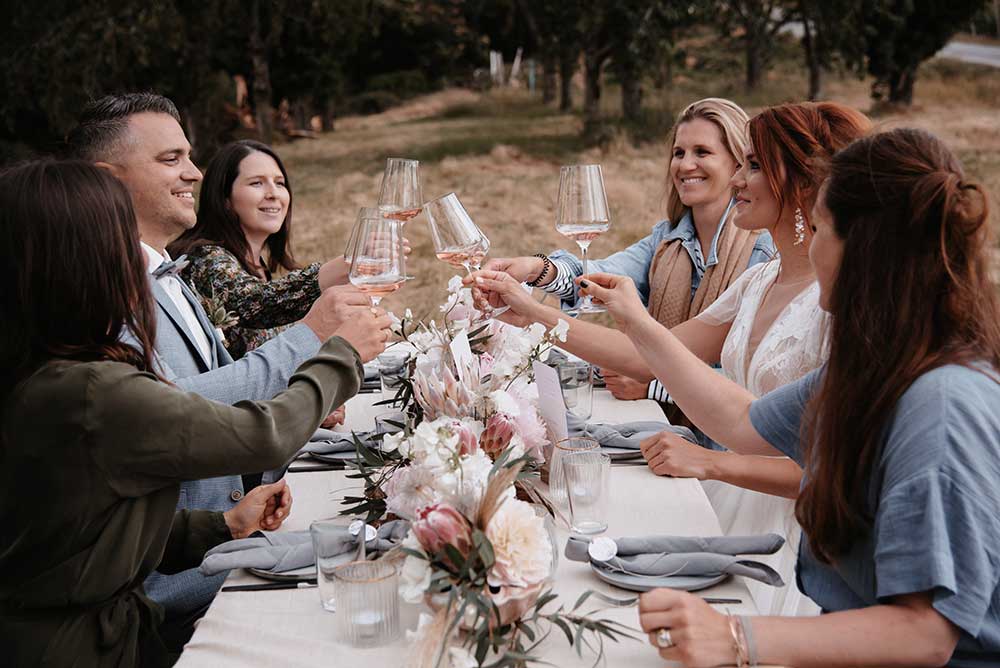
(206, 324)
(168, 306)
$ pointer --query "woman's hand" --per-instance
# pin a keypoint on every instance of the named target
(520, 268)
(498, 289)
(673, 455)
(700, 635)
(617, 294)
(623, 387)
(366, 328)
(334, 418)
(263, 508)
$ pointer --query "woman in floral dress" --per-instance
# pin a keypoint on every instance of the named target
(246, 206)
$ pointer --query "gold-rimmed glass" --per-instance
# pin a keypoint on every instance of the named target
(367, 595)
(557, 479)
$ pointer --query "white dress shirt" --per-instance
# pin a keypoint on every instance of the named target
(172, 285)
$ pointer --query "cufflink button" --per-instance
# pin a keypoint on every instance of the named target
(236, 495)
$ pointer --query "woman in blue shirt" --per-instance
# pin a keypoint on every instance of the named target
(898, 434)
(691, 258)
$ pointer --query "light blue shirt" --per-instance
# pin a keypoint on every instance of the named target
(635, 260)
(934, 502)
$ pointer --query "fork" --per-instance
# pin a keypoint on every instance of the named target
(634, 600)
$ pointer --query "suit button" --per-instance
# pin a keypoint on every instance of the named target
(236, 495)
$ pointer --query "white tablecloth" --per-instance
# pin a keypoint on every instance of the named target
(288, 628)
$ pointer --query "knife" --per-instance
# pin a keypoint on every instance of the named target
(291, 584)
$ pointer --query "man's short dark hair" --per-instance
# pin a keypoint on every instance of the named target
(102, 123)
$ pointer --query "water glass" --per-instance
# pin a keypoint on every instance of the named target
(587, 475)
(577, 381)
(368, 600)
(388, 423)
(328, 546)
(567, 446)
(393, 369)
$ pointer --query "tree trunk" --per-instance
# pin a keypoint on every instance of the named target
(592, 65)
(631, 94)
(549, 75)
(810, 46)
(901, 86)
(567, 67)
(261, 78)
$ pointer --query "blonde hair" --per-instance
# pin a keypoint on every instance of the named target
(732, 123)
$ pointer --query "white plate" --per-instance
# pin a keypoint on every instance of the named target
(647, 583)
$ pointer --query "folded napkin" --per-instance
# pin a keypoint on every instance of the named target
(328, 442)
(627, 435)
(661, 556)
(289, 550)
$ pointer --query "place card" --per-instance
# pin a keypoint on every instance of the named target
(461, 352)
(551, 406)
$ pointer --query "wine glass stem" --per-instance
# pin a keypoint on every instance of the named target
(583, 254)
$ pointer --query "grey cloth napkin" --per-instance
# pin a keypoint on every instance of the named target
(661, 556)
(327, 442)
(289, 550)
(627, 435)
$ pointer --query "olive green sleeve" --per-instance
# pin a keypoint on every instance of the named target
(193, 533)
(148, 434)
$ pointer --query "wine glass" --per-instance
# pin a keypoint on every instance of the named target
(363, 213)
(457, 240)
(399, 196)
(582, 214)
(377, 266)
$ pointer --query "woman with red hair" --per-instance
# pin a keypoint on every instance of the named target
(898, 433)
(767, 329)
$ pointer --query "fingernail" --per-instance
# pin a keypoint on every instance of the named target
(584, 284)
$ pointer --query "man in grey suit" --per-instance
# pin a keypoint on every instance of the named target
(138, 137)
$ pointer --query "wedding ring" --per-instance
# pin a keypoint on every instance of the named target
(663, 639)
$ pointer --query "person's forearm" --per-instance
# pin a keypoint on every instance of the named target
(603, 347)
(881, 635)
(777, 476)
(717, 405)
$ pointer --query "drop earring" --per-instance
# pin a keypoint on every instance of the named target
(800, 227)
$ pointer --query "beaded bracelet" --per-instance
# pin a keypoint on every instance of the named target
(546, 265)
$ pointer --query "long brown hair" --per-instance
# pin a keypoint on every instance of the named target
(795, 139)
(218, 224)
(73, 272)
(912, 293)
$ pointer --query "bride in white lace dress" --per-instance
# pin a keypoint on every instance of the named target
(769, 345)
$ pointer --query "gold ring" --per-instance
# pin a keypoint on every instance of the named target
(663, 639)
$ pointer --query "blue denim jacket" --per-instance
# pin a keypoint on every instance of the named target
(635, 260)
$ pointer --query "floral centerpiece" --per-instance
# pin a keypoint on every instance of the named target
(480, 557)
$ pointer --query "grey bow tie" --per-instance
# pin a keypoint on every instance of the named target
(171, 267)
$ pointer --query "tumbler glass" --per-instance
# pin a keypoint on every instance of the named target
(368, 603)
(577, 381)
(587, 474)
(557, 480)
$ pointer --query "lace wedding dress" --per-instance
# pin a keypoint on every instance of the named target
(793, 344)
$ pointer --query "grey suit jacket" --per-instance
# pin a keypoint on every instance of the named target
(258, 376)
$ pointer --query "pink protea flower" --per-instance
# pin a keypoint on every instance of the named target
(468, 443)
(500, 429)
(438, 525)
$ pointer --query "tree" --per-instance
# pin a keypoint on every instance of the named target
(760, 22)
(901, 34)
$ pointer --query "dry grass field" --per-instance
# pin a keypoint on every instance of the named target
(501, 153)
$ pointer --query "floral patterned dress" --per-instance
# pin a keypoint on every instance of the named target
(262, 308)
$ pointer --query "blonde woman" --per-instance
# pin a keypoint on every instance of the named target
(689, 259)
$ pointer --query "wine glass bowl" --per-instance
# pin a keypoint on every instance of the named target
(582, 215)
(377, 259)
(457, 239)
(399, 195)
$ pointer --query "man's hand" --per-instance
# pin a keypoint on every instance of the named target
(624, 387)
(334, 306)
(366, 329)
(334, 418)
(264, 508)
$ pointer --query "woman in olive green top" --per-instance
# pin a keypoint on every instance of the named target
(93, 444)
